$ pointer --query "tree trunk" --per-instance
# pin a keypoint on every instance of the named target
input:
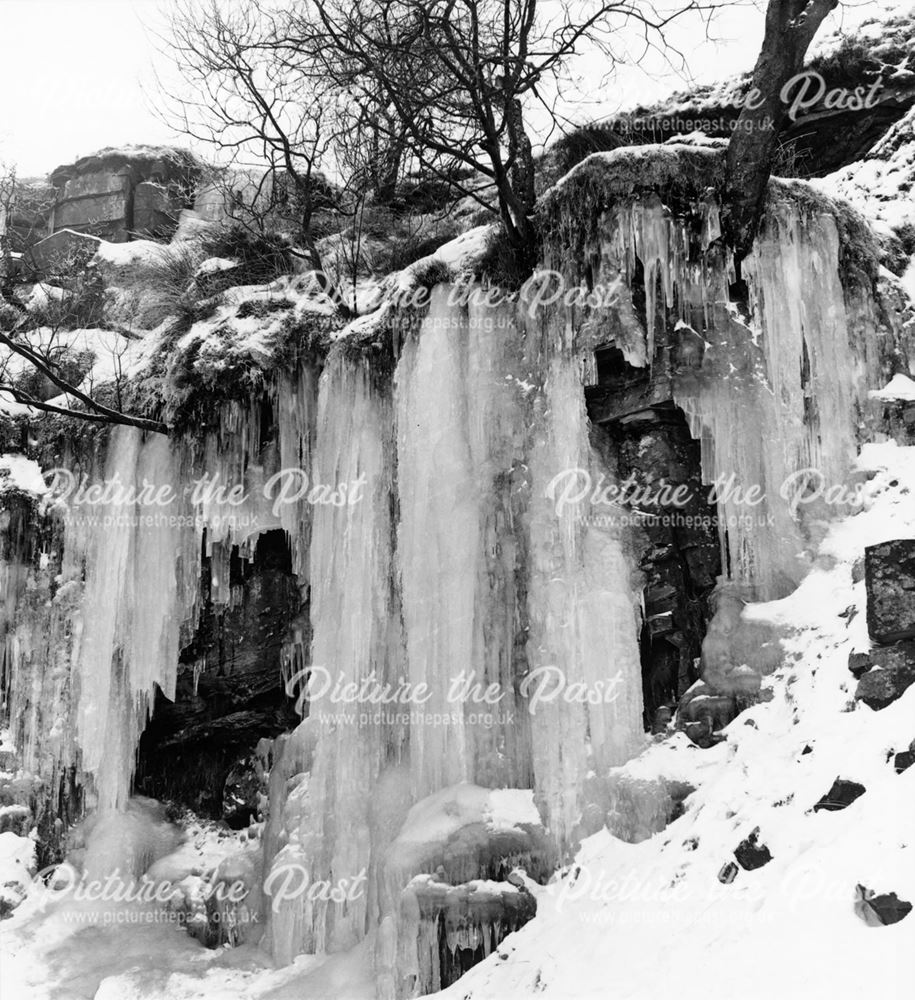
(520, 183)
(790, 27)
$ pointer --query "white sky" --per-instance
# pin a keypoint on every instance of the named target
(73, 73)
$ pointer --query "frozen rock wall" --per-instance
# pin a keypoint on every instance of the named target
(470, 629)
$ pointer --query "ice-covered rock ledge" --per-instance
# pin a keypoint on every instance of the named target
(792, 344)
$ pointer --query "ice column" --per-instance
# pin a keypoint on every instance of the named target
(354, 623)
(584, 688)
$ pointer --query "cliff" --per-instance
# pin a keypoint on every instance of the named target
(475, 636)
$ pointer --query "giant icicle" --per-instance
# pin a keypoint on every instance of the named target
(355, 639)
(583, 602)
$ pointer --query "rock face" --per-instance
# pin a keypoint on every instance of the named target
(681, 559)
(904, 760)
(119, 194)
(889, 570)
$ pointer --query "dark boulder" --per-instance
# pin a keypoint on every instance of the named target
(874, 910)
(245, 790)
(889, 572)
(840, 796)
(904, 760)
(859, 664)
(890, 672)
(728, 873)
(750, 854)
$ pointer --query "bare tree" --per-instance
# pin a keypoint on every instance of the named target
(271, 117)
(456, 76)
(440, 86)
(48, 358)
(790, 28)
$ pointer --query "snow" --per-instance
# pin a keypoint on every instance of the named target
(226, 341)
(17, 867)
(439, 816)
(908, 279)
(10, 408)
(132, 252)
(882, 184)
(23, 474)
(212, 265)
(108, 355)
(899, 387)
(41, 296)
(466, 249)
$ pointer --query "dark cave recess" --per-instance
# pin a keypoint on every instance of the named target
(229, 692)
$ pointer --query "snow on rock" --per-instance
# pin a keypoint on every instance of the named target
(439, 816)
(9, 407)
(213, 265)
(41, 295)
(205, 845)
(20, 473)
(17, 868)
(380, 303)
(464, 251)
(899, 387)
(132, 252)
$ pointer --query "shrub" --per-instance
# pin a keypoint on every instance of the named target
(262, 257)
(9, 316)
(81, 304)
(501, 263)
(163, 286)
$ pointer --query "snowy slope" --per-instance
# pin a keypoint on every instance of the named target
(882, 185)
(653, 917)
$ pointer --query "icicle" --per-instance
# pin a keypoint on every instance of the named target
(775, 405)
(129, 621)
(583, 614)
(329, 832)
(199, 667)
